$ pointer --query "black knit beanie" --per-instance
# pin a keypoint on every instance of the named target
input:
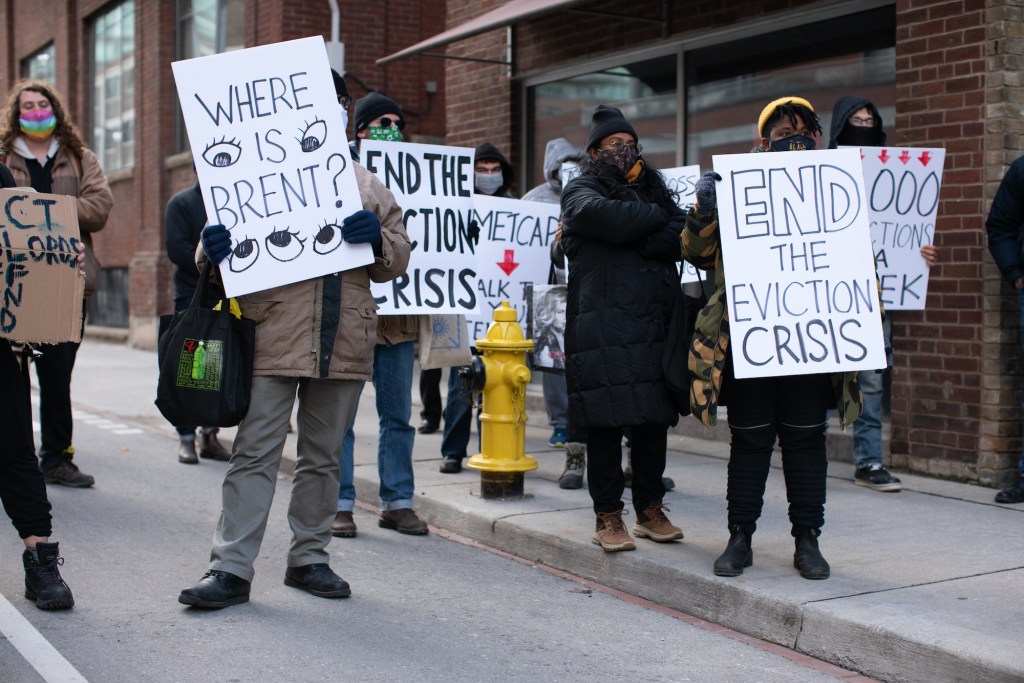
(374, 106)
(608, 120)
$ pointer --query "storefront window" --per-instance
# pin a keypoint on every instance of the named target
(41, 66)
(113, 87)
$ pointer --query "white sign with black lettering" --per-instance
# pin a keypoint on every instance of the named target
(273, 162)
(514, 251)
(683, 180)
(903, 199)
(434, 186)
(800, 277)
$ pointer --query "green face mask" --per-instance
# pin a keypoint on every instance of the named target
(389, 134)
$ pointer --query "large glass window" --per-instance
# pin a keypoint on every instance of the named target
(207, 27)
(113, 86)
(41, 66)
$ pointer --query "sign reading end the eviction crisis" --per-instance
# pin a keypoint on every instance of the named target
(42, 286)
(273, 162)
(434, 186)
(800, 277)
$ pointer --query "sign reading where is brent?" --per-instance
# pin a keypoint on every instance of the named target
(800, 274)
(434, 186)
(273, 162)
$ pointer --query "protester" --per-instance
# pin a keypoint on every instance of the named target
(335, 316)
(789, 408)
(22, 489)
(1005, 228)
(493, 175)
(556, 394)
(378, 117)
(856, 122)
(184, 220)
(620, 231)
(45, 151)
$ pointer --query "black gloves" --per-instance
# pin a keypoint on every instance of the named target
(704, 191)
(216, 242)
(473, 233)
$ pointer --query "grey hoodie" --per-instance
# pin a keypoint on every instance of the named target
(555, 152)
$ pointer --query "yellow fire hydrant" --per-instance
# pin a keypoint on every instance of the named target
(502, 374)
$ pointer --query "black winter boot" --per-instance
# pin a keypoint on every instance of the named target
(210, 447)
(737, 555)
(42, 578)
(187, 451)
(807, 557)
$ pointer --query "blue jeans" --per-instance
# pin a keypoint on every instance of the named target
(392, 380)
(556, 399)
(867, 430)
(458, 420)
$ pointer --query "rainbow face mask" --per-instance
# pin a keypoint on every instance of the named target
(38, 124)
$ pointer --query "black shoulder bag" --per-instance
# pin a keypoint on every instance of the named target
(678, 335)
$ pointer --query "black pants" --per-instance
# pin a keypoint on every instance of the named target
(53, 368)
(791, 409)
(21, 482)
(604, 466)
(430, 395)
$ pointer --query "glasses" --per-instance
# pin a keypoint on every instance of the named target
(345, 101)
(862, 120)
(616, 145)
(385, 122)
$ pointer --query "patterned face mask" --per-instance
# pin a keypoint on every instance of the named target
(389, 134)
(38, 124)
(624, 158)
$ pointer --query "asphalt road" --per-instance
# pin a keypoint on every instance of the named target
(423, 608)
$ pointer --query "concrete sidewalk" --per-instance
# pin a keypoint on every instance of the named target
(924, 586)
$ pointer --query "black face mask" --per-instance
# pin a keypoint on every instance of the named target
(858, 136)
(792, 144)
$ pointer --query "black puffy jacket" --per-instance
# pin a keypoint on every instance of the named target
(622, 285)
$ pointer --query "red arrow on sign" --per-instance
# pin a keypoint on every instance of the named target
(905, 156)
(884, 156)
(924, 158)
(509, 264)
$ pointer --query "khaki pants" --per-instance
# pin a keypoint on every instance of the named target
(326, 408)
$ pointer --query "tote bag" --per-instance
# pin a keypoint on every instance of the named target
(444, 341)
(679, 333)
(205, 358)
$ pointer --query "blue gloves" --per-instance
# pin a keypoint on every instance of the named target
(216, 242)
(362, 227)
(704, 190)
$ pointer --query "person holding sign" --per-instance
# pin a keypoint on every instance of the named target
(1005, 227)
(335, 317)
(379, 118)
(620, 231)
(46, 152)
(790, 408)
(856, 122)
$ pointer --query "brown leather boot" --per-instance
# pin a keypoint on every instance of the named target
(210, 447)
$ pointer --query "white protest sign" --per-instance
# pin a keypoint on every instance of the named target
(514, 251)
(273, 163)
(800, 277)
(683, 180)
(434, 186)
(568, 171)
(903, 199)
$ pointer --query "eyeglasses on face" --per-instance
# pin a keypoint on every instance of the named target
(862, 120)
(616, 145)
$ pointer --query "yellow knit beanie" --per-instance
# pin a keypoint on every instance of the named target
(767, 112)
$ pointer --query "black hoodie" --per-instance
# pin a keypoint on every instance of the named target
(844, 109)
(488, 152)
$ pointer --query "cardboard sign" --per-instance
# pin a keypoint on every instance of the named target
(273, 162)
(434, 186)
(800, 277)
(514, 251)
(42, 285)
(903, 198)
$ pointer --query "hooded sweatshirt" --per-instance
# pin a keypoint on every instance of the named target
(556, 152)
(488, 152)
(844, 109)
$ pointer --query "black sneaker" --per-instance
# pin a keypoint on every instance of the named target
(877, 478)
(450, 465)
(67, 473)
(215, 590)
(1014, 494)
(43, 582)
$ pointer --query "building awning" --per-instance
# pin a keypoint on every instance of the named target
(510, 13)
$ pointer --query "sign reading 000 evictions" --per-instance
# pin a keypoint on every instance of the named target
(514, 251)
(683, 181)
(800, 278)
(273, 162)
(903, 199)
(434, 186)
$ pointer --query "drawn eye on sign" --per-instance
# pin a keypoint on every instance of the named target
(328, 238)
(223, 153)
(284, 245)
(313, 135)
(244, 255)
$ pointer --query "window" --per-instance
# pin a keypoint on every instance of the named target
(206, 27)
(41, 66)
(113, 87)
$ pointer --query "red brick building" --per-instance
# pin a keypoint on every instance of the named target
(692, 76)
